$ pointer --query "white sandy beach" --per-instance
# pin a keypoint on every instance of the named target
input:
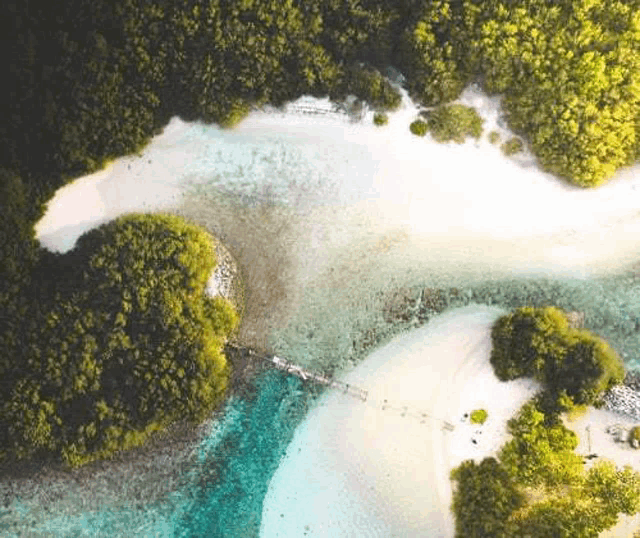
(310, 202)
(354, 179)
(323, 203)
(356, 469)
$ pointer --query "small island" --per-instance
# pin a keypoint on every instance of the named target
(124, 342)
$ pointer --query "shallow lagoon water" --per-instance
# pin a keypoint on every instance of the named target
(256, 433)
(326, 225)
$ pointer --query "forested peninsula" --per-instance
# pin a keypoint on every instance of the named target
(89, 81)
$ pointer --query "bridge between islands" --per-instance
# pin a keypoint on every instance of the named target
(351, 390)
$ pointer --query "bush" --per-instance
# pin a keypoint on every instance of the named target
(454, 122)
(18, 246)
(433, 50)
(479, 416)
(512, 146)
(494, 137)
(493, 498)
(566, 516)
(380, 119)
(371, 86)
(125, 344)
(540, 453)
(538, 343)
(484, 497)
(418, 128)
(234, 114)
(618, 491)
(528, 342)
(584, 511)
(565, 83)
(634, 437)
(590, 367)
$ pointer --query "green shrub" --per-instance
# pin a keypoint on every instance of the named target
(634, 436)
(237, 111)
(528, 342)
(484, 497)
(433, 50)
(512, 146)
(494, 137)
(419, 128)
(454, 122)
(479, 416)
(540, 453)
(564, 83)
(371, 86)
(538, 487)
(616, 490)
(538, 343)
(590, 367)
(562, 516)
(380, 119)
(18, 246)
(583, 511)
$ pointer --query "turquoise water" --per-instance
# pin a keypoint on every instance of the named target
(247, 456)
(611, 306)
(222, 494)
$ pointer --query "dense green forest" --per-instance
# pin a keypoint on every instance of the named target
(124, 341)
(86, 81)
(538, 486)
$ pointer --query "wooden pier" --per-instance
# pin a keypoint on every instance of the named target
(346, 388)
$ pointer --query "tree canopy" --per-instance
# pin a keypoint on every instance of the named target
(484, 497)
(538, 486)
(538, 343)
(97, 79)
(126, 342)
(570, 73)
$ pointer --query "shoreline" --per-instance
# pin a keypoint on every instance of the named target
(170, 450)
(379, 462)
(295, 307)
(144, 475)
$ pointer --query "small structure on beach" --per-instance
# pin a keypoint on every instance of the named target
(618, 432)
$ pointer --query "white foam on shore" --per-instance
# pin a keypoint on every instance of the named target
(354, 469)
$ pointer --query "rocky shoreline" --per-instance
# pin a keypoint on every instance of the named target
(625, 399)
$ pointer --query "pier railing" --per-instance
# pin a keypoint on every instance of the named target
(288, 366)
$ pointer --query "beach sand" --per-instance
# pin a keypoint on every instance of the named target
(307, 201)
(376, 469)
